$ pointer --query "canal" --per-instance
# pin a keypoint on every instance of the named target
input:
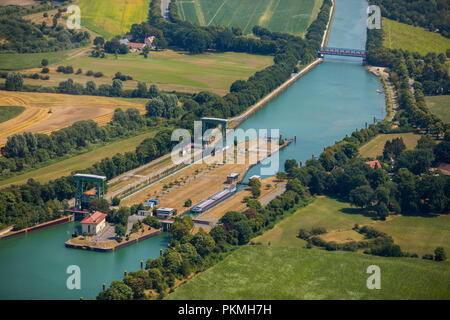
(331, 101)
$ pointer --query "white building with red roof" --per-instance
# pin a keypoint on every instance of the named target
(94, 223)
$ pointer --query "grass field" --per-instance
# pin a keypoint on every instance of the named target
(440, 105)
(112, 17)
(46, 112)
(260, 272)
(414, 39)
(9, 112)
(168, 69)
(293, 16)
(414, 234)
(64, 167)
(17, 61)
(374, 147)
(323, 212)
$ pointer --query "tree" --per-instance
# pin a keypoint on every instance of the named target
(145, 51)
(362, 196)
(155, 107)
(439, 254)
(153, 91)
(203, 242)
(14, 81)
(188, 203)
(244, 230)
(120, 230)
(115, 201)
(382, 211)
(101, 205)
(256, 191)
(98, 41)
(117, 291)
(117, 86)
(44, 62)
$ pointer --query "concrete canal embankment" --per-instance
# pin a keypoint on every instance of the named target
(40, 226)
(70, 244)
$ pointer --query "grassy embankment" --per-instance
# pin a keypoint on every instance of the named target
(293, 16)
(440, 105)
(9, 112)
(414, 39)
(374, 147)
(19, 61)
(285, 270)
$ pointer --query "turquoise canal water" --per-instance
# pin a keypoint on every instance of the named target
(34, 266)
(332, 100)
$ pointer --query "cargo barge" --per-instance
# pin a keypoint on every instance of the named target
(214, 200)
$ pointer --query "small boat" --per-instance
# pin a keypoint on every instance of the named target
(380, 91)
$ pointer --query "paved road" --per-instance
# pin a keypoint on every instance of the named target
(274, 195)
(165, 9)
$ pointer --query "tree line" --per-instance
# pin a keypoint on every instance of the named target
(23, 36)
(429, 71)
(31, 203)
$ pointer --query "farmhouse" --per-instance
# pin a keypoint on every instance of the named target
(135, 46)
(94, 223)
(374, 164)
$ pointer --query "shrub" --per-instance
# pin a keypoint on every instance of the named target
(45, 70)
(427, 256)
(98, 74)
(439, 254)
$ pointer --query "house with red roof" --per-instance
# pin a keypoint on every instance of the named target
(136, 46)
(93, 223)
(374, 164)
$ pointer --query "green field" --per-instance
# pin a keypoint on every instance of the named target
(323, 212)
(414, 39)
(440, 105)
(168, 69)
(414, 234)
(293, 16)
(65, 167)
(260, 272)
(374, 147)
(112, 17)
(17, 61)
(9, 112)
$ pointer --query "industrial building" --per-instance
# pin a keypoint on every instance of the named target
(164, 213)
(94, 223)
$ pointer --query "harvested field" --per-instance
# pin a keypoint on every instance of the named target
(374, 147)
(46, 112)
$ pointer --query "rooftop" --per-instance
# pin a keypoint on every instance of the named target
(94, 218)
(92, 176)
